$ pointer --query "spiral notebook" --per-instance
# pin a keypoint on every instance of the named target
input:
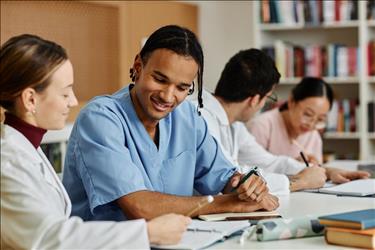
(201, 234)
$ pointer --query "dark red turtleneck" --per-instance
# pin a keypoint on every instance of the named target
(32, 133)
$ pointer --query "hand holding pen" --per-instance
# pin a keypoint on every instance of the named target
(250, 186)
(306, 158)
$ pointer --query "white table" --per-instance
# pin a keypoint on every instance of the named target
(300, 204)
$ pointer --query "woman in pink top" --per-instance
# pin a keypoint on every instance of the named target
(294, 126)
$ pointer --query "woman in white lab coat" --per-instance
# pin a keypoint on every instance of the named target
(36, 90)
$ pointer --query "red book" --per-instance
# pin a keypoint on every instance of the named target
(266, 16)
(299, 62)
(337, 10)
(352, 61)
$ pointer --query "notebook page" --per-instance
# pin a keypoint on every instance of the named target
(357, 188)
(201, 234)
(223, 227)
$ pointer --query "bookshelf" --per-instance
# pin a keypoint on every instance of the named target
(353, 30)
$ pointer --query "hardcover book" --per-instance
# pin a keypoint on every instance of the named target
(362, 219)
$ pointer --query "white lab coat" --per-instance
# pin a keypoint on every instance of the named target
(241, 148)
(35, 207)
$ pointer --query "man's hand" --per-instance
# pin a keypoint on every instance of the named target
(269, 202)
(341, 176)
(311, 177)
(254, 188)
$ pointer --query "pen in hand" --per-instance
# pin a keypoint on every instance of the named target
(304, 158)
(247, 176)
(301, 152)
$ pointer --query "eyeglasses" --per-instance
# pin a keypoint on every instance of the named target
(311, 119)
(272, 97)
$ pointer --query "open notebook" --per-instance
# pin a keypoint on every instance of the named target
(363, 187)
(201, 234)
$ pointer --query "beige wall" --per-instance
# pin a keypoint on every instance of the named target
(225, 27)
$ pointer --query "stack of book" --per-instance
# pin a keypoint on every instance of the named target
(354, 229)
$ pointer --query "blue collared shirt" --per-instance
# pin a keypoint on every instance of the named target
(110, 154)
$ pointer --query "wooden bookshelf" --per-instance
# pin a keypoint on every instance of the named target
(331, 80)
(332, 25)
(341, 135)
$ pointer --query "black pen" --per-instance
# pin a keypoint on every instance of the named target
(251, 172)
(304, 158)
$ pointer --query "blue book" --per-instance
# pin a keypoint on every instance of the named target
(362, 219)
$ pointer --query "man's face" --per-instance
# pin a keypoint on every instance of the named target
(251, 109)
(161, 84)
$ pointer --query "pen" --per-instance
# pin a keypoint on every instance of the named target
(304, 158)
(207, 200)
(251, 172)
(301, 152)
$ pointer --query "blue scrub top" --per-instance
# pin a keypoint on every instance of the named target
(110, 154)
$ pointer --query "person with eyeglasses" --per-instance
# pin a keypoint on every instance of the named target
(245, 85)
(294, 126)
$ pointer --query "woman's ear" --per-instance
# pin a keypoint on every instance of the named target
(28, 100)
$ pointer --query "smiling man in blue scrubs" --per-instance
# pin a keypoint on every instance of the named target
(143, 150)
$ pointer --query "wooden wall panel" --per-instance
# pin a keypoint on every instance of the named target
(89, 32)
(140, 18)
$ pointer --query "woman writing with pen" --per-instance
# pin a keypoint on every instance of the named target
(292, 129)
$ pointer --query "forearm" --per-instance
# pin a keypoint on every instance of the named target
(148, 204)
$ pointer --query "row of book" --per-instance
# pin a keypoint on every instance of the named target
(333, 60)
(353, 229)
(343, 116)
(308, 12)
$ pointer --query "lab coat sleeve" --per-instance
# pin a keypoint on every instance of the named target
(30, 219)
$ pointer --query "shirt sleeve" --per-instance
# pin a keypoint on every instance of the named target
(213, 170)
(103, 161)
